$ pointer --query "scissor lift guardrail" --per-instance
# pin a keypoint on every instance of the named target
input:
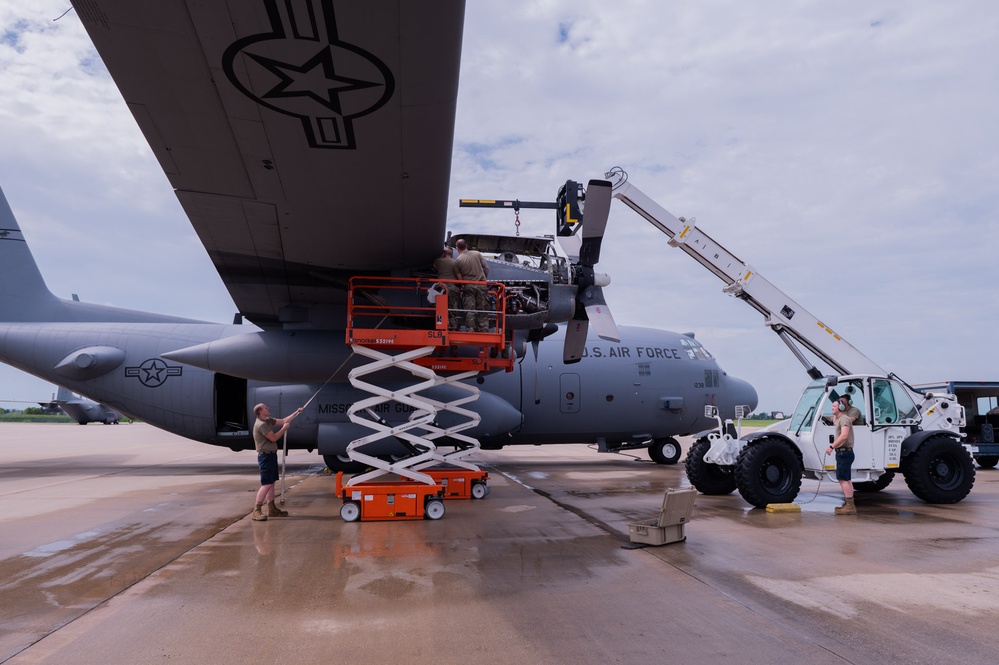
(390, 321)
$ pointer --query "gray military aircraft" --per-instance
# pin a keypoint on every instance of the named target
(310, 143)
(80, 409)
(84, 410)
(49, 408)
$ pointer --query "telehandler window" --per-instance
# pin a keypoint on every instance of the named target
(892, 404)
(804, 413)
(854, 389)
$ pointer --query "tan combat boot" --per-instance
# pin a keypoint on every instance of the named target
(848, 508)
(258, 515)
(274, 511)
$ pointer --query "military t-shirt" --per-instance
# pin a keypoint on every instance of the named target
(260, 440)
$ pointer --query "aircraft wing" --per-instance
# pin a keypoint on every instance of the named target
(307, 140)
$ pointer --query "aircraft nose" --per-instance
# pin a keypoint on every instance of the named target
(740, 392)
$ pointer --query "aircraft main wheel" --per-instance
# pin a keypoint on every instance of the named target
(883, 481)
(350, 511)
(479, 490)
(343, 463)
(434, 510)
(665, 451)
(711, 479)
(768, 471)
(940, 471)
(987, 461)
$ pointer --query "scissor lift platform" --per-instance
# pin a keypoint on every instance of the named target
(390, 500)
(402, 320)
(389, 321)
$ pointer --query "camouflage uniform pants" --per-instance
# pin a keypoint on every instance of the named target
(473, 297)
(453, 306)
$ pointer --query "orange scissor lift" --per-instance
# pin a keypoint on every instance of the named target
(405, 324)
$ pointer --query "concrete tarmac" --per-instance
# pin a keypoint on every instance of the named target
(127, 544)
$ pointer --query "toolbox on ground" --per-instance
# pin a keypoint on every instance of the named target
(678, 504)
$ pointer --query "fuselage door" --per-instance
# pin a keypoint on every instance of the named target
(231, 414)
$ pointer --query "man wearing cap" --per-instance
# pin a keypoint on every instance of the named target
(444, 265)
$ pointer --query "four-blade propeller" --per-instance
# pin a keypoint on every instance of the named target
(591, 307)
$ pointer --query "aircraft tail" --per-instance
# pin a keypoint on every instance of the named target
(22, 288)
(64, 395)
(24, 296)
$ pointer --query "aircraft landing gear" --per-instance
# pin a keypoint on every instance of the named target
(665, 451)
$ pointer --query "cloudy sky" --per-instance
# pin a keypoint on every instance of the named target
(848, 150)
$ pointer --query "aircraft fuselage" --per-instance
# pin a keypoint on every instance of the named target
(652, 384)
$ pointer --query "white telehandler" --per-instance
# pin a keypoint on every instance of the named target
(901, 429)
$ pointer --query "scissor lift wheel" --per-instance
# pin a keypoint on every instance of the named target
(434, 509)
(350, 511)
(479, 490)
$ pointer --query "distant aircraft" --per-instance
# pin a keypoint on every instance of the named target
(80, 409)
(310, 143)
(84, 410)
(49, 408)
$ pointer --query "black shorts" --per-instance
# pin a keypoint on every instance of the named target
(268, 464)
(844, 460)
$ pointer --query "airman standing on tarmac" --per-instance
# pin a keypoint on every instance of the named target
(842, 446)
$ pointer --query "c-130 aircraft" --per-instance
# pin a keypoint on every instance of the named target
(310, 143)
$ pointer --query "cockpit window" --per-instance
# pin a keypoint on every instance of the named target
(694, 350)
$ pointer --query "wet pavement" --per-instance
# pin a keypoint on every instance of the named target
(127, 544)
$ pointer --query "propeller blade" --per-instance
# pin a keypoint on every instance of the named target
(599, 314)
(575, 341)
(590, 304)
(537, 381)
(570, 245)
(534, 337)
(603, 323)
(596, 212)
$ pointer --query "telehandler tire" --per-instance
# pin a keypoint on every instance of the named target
(941, 470)
(710, 479)
(768, 471)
